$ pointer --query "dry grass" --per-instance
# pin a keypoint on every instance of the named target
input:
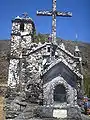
(1, 108)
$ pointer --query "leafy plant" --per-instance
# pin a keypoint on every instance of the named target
(87, 85)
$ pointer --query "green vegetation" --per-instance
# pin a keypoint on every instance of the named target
(87, 85)
(40, 38)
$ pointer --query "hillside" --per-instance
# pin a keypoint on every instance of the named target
(70, 45)
(4, 62)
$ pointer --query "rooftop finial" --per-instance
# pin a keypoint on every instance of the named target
(25, 14)
(18, 17)
(63, 46)
(77, 49)
(76, 36)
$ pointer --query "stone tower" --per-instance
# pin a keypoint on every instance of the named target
(21, 38)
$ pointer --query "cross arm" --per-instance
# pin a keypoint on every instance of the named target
(64, 14)
(44, 13)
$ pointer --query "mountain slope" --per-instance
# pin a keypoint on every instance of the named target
(4, 52)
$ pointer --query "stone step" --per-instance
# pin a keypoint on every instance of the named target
(24, 116)
(40, 119)
(27, 113)
(12, 114)
(9, 101)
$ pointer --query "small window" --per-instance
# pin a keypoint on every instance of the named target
(60, 94)
(22, 27)
(48, 49)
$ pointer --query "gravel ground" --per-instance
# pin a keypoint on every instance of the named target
(1, 108)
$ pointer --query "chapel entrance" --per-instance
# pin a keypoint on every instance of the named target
(60, 94)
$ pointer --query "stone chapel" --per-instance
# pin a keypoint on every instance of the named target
(48, 74)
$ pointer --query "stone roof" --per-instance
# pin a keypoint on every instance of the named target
(24, 20)
(59, 60)
(45, 44)
(66, 64)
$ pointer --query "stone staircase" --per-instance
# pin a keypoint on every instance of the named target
(12, 108)
(10, 114)
(28, 113)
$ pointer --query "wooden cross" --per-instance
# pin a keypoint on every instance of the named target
(54, 13)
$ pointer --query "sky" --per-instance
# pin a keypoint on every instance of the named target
(67, 28)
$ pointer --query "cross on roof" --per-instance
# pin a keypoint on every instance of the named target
(25, 14)
(54, 13)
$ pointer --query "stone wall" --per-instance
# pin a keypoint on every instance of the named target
(20, 40)
(48, 93)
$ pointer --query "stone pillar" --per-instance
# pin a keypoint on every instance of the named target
(77, 54)
(54, 22)
(21, 38)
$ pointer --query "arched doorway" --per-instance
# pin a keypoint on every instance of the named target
(60, 94)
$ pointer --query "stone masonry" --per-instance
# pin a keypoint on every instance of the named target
(44, 80)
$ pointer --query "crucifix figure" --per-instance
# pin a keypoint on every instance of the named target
(54, 13)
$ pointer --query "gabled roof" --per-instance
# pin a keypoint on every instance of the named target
(45, 44)
(37, 48)
(66, 64)
(53, 63)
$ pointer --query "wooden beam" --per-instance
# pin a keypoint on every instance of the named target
(64, 14)
(44, 13)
